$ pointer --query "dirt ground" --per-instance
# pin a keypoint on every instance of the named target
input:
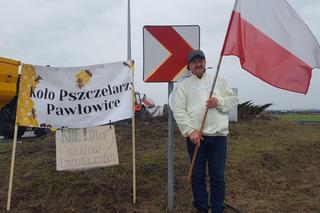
(273, 166)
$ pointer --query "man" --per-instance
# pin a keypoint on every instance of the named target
(188, 104)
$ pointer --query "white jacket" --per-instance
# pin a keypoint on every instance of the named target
(188, 104)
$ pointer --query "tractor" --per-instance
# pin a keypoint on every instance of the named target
(142, 105)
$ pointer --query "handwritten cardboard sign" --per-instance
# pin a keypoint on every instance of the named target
(86, 148)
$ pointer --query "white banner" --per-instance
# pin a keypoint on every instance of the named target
(86, 148)
(75, 97)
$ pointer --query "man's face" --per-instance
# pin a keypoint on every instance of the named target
(197, 66)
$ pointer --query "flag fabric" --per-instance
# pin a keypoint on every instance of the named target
(75, 97)
(273, 43)
(147, 101)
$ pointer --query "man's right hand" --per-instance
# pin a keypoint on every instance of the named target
(195, 138)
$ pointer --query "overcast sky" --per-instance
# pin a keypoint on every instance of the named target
(82, 32)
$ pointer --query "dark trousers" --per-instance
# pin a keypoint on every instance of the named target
(214, 150)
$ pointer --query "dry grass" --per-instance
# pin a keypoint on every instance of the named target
(273, 166)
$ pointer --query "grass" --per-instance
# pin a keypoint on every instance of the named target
(273, 166)
(302, 117)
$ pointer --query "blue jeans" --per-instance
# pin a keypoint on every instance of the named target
(214, 150)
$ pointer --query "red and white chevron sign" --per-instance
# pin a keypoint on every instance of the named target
(165, 50)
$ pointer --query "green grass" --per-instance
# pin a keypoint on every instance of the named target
(272, 166)
(302, 117)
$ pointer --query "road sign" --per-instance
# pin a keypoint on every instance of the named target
(165, 50)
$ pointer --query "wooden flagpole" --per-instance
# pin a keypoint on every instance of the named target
(14, 145)
(212, 88)
(204, 119)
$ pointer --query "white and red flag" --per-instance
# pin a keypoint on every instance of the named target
(272, 43)
(147, 101)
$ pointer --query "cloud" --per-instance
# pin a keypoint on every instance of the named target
(79, 32)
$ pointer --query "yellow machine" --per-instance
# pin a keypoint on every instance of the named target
(8, 80)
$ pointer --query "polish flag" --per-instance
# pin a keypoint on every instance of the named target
(272, 43)
(147, 101)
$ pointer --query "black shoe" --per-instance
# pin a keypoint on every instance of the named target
(202, 211)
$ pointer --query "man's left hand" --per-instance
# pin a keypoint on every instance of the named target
(212, 102)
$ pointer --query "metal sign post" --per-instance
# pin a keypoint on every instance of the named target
(165, 50)
(170, 153)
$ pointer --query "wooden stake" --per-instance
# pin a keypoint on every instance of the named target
(133, 112)
(133, 149)
(14, 145)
